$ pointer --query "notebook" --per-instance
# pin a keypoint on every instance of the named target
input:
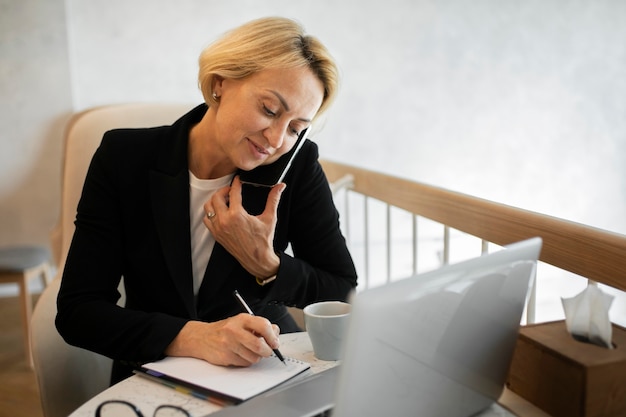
(220, 384)
(435, 344)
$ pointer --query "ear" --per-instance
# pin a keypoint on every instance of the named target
(218, 85)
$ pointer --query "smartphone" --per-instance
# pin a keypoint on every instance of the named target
(274, 173)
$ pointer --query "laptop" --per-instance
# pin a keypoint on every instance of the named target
(433, 344)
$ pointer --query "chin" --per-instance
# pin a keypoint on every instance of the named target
(250, 166)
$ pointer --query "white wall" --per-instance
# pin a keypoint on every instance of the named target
(519, 102)
(35, 102)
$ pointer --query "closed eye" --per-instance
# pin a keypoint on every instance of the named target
(268, 111)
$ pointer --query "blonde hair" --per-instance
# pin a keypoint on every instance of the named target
(272, 42)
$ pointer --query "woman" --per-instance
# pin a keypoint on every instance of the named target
(164, 208)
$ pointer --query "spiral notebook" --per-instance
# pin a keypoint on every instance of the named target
(222, 384)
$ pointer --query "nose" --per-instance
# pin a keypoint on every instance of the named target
(275, 135)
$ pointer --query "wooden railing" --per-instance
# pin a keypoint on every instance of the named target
(595, 254)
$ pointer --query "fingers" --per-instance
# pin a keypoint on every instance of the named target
(271, 208)
(276, 330)
(241, 340)
(230, 197)
(257, 339)
(219, 202)
(225, 198)
(235, 194)
(262, 329)
(217, 206)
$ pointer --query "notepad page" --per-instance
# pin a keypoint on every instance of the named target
(239, 382)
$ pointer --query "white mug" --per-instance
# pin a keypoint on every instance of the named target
(327, 325)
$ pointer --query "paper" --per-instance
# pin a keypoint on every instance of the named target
(587, 316)
(222, 383)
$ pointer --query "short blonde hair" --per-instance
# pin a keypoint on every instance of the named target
(272, 42)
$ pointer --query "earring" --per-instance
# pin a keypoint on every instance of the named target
(215, 97)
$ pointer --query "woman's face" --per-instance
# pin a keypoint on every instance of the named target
(259, 118)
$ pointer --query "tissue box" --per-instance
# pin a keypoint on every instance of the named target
(568, 378)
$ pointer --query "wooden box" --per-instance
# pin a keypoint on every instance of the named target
(568, 378)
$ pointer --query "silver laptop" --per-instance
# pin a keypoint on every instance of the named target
(435, 344)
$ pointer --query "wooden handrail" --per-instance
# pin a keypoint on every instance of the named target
(593, 253)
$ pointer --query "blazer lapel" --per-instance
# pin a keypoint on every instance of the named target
(169, 189)
(170, 204)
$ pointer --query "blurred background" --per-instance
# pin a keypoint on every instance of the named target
(523, 103)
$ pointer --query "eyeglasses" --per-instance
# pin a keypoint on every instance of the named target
(120, 408)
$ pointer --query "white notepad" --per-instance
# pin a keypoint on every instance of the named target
(223, 384)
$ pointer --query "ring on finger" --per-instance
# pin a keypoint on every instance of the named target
(210, 215)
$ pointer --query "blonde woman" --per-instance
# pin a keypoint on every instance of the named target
(165, 209)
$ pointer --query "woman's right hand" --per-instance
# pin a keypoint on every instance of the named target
(248, 238)
(241, 340)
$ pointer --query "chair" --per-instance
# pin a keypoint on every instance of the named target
(19, 265)
(68, 376)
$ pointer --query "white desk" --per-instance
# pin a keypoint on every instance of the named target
(147, 395)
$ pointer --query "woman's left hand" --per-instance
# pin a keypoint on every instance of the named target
(248, 238)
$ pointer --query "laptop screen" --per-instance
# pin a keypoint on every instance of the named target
(436, 344)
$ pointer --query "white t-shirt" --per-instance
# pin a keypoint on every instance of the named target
(202, 241)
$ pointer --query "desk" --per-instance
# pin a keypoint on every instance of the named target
(147, 395)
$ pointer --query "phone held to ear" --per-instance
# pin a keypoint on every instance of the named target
(274, 173)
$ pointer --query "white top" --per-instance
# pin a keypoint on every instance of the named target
(202, 241)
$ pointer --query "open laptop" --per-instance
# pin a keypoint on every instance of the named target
(434, 344)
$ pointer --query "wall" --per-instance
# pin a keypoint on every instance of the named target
(35, 101)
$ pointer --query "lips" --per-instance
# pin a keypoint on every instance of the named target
(259, 151)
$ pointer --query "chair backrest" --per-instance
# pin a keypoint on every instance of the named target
(69, 376)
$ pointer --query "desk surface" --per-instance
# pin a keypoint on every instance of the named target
(147, 395)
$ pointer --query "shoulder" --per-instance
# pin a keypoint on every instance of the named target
(310, 150)
(306, 169)
(126, 150)
(163, 146)
(126, 140)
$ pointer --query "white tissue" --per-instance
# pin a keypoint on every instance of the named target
(587, 316)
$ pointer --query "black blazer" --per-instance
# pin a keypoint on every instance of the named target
(133, 221)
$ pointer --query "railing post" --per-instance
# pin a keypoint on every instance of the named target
(446, 245)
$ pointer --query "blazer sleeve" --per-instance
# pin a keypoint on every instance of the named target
(88, 315)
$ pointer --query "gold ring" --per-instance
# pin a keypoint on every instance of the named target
(210, 215)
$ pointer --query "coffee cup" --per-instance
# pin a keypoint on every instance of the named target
(327, 324)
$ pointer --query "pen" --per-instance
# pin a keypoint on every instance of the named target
(249, 311)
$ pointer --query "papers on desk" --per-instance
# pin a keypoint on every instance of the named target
(222, 384)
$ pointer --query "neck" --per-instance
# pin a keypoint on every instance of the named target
(205, 159)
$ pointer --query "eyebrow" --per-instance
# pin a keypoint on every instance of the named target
(285, 105)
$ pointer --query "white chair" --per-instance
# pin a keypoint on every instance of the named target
(69, 376)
